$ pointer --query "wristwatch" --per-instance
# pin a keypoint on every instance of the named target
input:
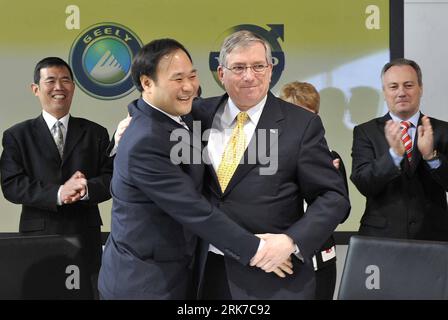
(434, 156)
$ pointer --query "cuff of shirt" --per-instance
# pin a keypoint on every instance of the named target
(297, 253)
(58, 200)
(396, 158)
(433, 164)
(113, 151)
(261, 244)
(86, 196)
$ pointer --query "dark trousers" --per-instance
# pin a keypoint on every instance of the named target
(215, 285)
(326, 282)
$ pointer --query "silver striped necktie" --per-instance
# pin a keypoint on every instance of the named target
(58, 137)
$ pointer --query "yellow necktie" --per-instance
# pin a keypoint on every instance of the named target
(233, 152)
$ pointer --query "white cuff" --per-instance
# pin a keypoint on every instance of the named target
(297, 253)
(58, 200)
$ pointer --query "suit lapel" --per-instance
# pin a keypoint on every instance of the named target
(45, 139)
(75, 132)
(271, 123)
(382, 123)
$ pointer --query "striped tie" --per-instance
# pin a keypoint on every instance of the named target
(58, 137)
(407, 141)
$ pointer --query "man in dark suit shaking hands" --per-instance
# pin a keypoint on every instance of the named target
(158, 208)
(266, 203)
(56, 166)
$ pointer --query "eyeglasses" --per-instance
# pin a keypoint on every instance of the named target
(256, 68)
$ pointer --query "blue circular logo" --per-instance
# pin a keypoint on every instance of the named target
(275, 32)
(101, 59)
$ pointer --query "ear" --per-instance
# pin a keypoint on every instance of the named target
(270, 68)
(146, 82)
(35, 89)
(220, 71)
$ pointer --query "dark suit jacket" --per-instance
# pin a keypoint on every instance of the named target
(274, 203)
(407, 202)
(331, 242)
(32, 172)
(157, 206)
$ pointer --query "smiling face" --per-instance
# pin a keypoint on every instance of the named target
(402, 91)
(248, 88)
(176, 85)
(55, 90)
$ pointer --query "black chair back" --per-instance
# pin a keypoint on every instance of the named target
(43, 267)
(389, 269)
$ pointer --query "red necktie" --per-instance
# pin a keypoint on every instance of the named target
(406, 139)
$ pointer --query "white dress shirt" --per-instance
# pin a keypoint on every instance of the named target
(50, 121)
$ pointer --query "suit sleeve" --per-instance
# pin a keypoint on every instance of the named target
(17, 186)
(323, 189)
(343, 174)
(99, 185)
(370, 173)
(173, 191)
(440, 175)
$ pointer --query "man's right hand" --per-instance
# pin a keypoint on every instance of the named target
(392, 132)
(74, 188)
(121, 128)
(274, 255)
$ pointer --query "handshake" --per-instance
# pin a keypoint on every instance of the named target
(74, 189)
(274, 255)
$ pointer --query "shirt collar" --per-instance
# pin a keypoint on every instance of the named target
(50, 120)
(231, 111)
(414, 119)
(178, 119)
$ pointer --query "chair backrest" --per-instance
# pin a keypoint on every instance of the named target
(389, 269)
(43, 267)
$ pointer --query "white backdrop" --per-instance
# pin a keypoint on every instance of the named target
(425, 34)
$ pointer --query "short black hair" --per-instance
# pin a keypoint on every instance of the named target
(404, 62)
(50, 62)
(146, 60)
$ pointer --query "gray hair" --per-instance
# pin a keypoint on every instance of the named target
(404, 62)
(242, 39)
